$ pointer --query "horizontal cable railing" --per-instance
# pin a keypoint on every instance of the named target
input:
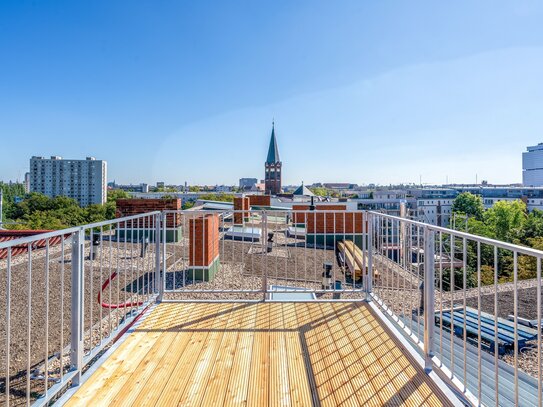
(471, 304)
(68, 295)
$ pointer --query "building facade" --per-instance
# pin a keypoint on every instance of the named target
(532, 166)
(272, 167)
(247, 183)
(83, 180)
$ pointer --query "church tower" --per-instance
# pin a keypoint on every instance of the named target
(272, 167)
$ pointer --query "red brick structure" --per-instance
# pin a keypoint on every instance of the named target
(144, 227)
(299, 218)
(329, 224)
(259, 200)
(334, 222)
(136, 206)
(241, 204)
(203, 246)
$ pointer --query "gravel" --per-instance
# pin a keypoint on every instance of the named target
(243, 266)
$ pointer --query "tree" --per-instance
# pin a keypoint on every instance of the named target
(10, 192)
(469, 204)
(218, 197)
(533, 227)
(506, 220)
(115, 194)
(194, 188)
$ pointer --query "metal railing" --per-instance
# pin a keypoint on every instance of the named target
(471, 305)
(68, 295)
(253, 255)
(71, 293)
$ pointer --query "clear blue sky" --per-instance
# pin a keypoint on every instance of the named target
(361, 91)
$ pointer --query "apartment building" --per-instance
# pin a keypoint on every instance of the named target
(83, 180)
(532, 166)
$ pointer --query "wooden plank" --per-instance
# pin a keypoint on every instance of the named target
(299, 382)
(216, 385)
(259, 376)
(361, 383)
(101, 380)
(188, 388)
(324, 323)
(238, 383)
(408, 379)
(138, 379)
(279, 392)
(174, 367)
(260, 354)
(323, 385)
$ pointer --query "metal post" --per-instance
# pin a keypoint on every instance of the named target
(369, 274)
(78, 302)
(264, 255)
(164, 265)
(429, 303)
(1, 205)
(158, 236)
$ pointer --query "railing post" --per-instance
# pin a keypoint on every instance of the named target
(428, 293)
(78, 302)
(369, 274)
(158, 252)
(264, 254)
(163, 254)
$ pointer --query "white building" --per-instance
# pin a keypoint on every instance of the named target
(83, 180)
(532, 166)
(435, 211)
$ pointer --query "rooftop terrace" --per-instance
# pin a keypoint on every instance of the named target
(222, 354)
(169, 308)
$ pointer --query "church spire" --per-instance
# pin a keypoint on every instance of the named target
(273, 151)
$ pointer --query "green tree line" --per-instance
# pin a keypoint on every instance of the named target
(37, 211)
(507, 221)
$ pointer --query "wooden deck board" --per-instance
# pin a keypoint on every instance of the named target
(215, 354)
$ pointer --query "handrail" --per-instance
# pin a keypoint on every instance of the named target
(493, 242)
(73, 229)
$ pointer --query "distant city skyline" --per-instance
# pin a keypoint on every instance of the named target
(360, 92)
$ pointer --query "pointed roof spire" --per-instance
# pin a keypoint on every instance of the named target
(273, 152)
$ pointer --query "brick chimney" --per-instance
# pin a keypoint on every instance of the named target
(241, 204)
(203, 247)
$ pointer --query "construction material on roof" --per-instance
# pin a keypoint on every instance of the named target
(295, 232)
(244, 233)
(468, 319)
(351, 255)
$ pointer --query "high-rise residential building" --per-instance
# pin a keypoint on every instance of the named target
(83, 180)
(532, 166)
(272, 167)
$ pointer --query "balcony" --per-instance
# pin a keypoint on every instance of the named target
(240, 307)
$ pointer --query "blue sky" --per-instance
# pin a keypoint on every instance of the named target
(361, 91)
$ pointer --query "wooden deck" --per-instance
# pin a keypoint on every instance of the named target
(215, 354)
